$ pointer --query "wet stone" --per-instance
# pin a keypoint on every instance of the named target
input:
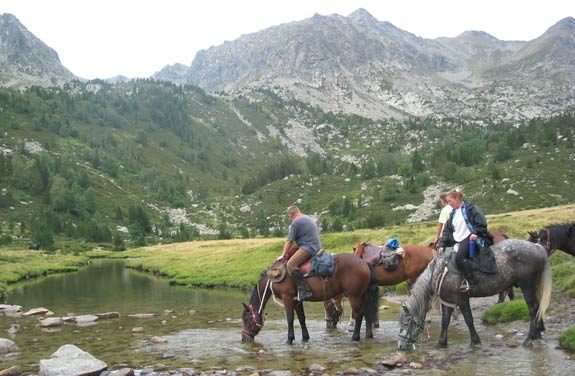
(316, 368)
(12, 371)
(416, 365)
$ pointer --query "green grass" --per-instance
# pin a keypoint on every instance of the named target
(567, 339)
(506, 312)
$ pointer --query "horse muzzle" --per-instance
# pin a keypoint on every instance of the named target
(247, 338)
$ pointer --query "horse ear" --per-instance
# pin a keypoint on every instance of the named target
(245, 306)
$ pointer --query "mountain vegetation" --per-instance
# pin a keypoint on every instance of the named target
(146, 161)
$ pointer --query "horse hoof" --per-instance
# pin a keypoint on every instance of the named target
(528, 343)
(475, 345)
(355, 339)
(441, 345)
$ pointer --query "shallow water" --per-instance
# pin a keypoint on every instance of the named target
(203, 331)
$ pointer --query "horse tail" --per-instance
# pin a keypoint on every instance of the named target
(544, 289)
(372, 297)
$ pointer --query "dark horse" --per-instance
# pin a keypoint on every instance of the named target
(556, 236)
(518, 262)
(391, 267)
(352, 276)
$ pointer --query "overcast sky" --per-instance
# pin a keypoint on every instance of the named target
(136, 38)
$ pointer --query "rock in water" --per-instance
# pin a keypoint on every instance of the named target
(69, 360)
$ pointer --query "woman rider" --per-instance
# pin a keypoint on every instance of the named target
(466, 224)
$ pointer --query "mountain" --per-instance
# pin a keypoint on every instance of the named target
(25, 60)
(360, 65)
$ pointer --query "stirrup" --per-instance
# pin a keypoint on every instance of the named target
(298, 297)
(465, 286)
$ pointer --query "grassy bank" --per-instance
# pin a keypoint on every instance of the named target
(238, 263)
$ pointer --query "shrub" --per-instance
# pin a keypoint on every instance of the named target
(567, 339)
(506, 312)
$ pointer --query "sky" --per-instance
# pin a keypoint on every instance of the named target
(136, 38)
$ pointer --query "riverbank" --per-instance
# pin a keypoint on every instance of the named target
(239, 262)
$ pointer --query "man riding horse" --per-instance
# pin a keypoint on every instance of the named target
(304, 232)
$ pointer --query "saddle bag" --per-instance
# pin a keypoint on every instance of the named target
(323, 264)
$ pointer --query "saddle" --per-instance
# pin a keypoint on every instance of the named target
(322, 264)
(383, 255)
(484, 262)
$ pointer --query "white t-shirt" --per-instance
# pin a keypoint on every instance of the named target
(444, 215)
(461, 231)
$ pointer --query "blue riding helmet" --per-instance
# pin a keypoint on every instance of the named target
(392, 243)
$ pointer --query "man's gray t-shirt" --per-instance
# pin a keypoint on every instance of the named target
(304, 231)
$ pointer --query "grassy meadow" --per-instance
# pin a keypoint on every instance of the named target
(239, 262)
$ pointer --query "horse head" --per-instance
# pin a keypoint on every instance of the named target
(533, 236)
(359, 248)
(543, 238)
(333, 312)
(252, 323)
(409, 329)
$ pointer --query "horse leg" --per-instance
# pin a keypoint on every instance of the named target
(301, 318)
(289, 307)
(357, 316)
(446, 313)
(465, 309)
(530, 296)
(511, 293)
(502, 296)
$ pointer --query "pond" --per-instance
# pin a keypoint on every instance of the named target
(203, 331)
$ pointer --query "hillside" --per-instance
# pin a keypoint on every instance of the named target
(145, 161)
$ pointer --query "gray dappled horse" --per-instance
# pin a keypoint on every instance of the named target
(519, 262)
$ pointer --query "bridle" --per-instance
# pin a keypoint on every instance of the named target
(547, 244)
(412, 323)
(257, 317)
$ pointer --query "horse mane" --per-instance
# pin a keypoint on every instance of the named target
(563, 233)
(422, 292)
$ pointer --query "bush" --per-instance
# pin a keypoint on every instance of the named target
(506, 312)
(567, 339)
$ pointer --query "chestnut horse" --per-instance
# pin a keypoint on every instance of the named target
(410, 260)
(352, 276)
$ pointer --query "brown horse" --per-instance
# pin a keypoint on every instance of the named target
(408, 262)
(352, 276)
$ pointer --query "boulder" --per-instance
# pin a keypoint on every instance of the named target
(51, 322)
(7, 346)
(38, 311)
(10, 310)
(108, 315)
(142, 315)
(69, 360)
(124, 372)
(82, 319)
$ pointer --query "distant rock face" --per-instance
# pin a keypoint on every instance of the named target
(357, 64)
(25, 60)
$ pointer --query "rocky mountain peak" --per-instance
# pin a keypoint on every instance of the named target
(25, 60)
